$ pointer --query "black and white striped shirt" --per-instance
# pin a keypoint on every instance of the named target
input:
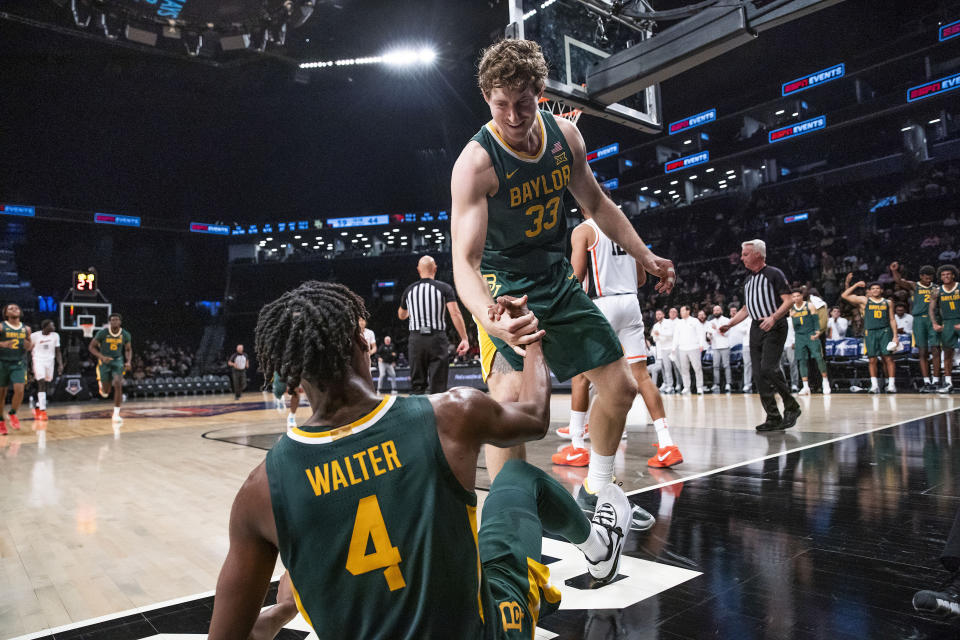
(426, 300)
(762, 291)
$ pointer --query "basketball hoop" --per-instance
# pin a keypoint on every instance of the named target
(87, 329)
(560, 110)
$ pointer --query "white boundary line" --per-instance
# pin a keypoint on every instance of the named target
(783, 453)
(121, 614)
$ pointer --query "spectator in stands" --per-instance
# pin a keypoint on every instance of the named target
(720, 344)
(689, 341)
(662, 333)
(904, 320)
(837, 325)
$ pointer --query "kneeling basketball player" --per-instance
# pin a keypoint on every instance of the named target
(371, 505)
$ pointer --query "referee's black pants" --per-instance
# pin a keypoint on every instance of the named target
(428, 362)
(766, 348)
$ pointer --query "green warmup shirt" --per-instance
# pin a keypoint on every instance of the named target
(877, 315)
(16, 352)
(378, 535)
(804, 322)
(950, 304)
(111, 345)
(920, 300)
(526, 218)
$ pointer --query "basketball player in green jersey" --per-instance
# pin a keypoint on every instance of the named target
(508, 227)
(925, 339)
(879, 329)
(806, 329)
(113, 349)
(946, 300)
(14, 344)
(371, 501)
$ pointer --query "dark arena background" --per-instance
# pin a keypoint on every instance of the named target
(184, 162)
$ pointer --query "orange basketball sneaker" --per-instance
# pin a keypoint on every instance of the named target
(36, 413)
(665, 457)
(43, 415)
(564, 432)
(571, 456)
(14, 422)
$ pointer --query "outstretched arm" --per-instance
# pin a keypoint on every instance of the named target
(608, 216)
(899, 280)
(473, 180)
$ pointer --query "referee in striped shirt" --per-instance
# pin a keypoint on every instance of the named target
(423, 303)
(768, 301)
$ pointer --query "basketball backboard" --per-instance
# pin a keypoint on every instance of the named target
(575, 35)
(75, 313)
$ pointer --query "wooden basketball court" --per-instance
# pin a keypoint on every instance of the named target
(822, 531)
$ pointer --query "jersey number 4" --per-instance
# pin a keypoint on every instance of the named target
(369, 525)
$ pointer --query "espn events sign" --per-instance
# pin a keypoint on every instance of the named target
(685, 162)
(794, 130)
(813, 80)
(934, 88)
(951, 30)
(693, 121)
(604, 152)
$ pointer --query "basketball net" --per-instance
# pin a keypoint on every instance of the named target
(87, 330)
(560, 109)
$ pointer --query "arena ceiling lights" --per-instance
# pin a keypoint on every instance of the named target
(399, 58)
(194, 27)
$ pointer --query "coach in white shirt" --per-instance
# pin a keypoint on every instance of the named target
(720, 343)
(662, 333)
(836, 325)
(689, 341)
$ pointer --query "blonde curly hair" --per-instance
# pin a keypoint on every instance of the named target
(512, 64)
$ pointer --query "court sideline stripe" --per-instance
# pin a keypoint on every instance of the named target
(847, 436)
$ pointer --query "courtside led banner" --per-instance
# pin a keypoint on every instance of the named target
(604, 152)
(813, 80)
(688, 161)
(794, 130)
(951, 30)
(934, 88)
(693, 121)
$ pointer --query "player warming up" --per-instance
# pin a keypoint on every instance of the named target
(508, 229)
(925, 339)
(806, 329)
(46, 355)
(611, 278)
(113, 348)
(371, 505)
(946, 301)
(879, 329)
(14, 344)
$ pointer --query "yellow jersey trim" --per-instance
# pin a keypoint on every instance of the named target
(472, 517)
(326, 437)
(296, 599)
(520, 155)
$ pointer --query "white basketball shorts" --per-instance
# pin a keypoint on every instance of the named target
(623, 313)
(43, 369)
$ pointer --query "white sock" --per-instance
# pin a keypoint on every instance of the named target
(594, 547)
(42, 400)
(806, 384)
(663, 434)
(891, 383)
(600, 473)
(116, 411)
(577, 418)
(948, 379)
(928, 380)
(826, 382)
(873, 383)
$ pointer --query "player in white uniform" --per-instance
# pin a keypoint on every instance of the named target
(46, 354)
(611, 277)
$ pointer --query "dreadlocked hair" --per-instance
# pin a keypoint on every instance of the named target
(309, 331)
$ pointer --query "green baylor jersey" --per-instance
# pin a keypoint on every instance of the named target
(950, 303)
(804, 322)
(378, 535)
(876, 315)
(16, 352)
(112, 346)
(526, 219)
(920, 300)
